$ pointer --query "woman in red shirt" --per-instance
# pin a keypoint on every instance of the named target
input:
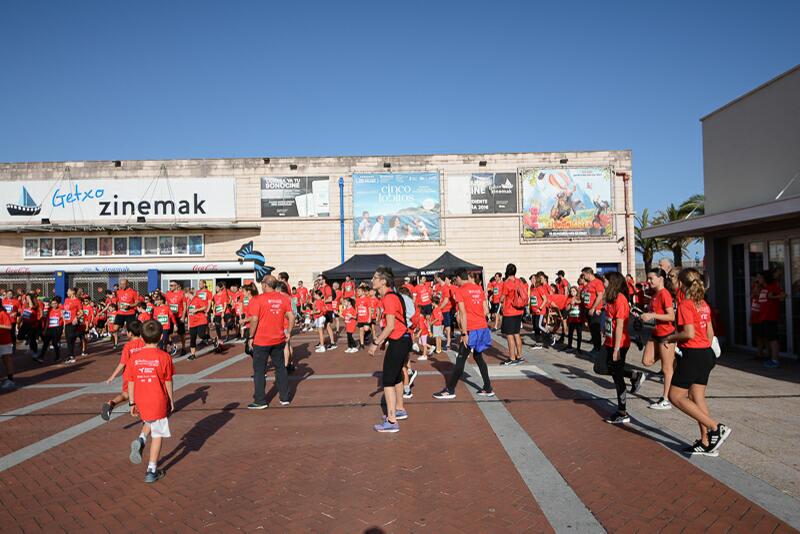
(663, 313)
(53, 329)
(688, 390)
(617, 342)
(31, 321)
(198, 323)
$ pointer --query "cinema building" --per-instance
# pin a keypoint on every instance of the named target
(751, 174)
(88, 223)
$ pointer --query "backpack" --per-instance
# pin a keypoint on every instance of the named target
(519, 299)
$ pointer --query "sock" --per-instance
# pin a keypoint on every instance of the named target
(151, 466)
(143, 437)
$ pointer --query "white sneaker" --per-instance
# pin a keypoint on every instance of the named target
(661, 404)
(415, 347)
(8, 384)
(320, 349)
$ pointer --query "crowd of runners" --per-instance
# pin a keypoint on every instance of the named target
(409, 320)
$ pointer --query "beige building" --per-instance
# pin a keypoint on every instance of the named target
(88, 222)
(751, 157)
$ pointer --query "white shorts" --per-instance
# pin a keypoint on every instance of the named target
(5, 349)
(438, 331)
(159, 428)
(319, 322)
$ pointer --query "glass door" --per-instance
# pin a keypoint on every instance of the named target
(755, 265)
(793, 293)
(741, 306)
(777, 266)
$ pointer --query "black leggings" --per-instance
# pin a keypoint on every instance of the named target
(573, 329)
(619, 373)
(199, 330)
(72, 333)
(30, 332)
(594, 330)
(351, 342)
(52, 336)
(458, 370)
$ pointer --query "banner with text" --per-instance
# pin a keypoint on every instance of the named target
(484, 192)
(295, 196)
(402, 206)
(565, 203)
(121, 200)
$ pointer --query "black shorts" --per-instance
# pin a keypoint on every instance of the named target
(328, 317)
(511, 324)
(426, 310)
(101, 323)
(362, 325)
(693, 367)
(769, 330)
(397, 351)
(494, 307)
(218, 319)
(121, 320)
(200, 331)
(447, 319)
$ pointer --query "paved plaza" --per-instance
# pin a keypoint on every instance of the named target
(536, 458)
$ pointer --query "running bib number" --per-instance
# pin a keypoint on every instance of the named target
(218, 308)
(586, 298)
(609, 327)
(163, 319)
(26, 314)
(9, 308)
(173, 308)
(534, 302)
(192, 310)
(575, 312)
(495, 290)
(53, 321)
(124, 306)
(67, 315)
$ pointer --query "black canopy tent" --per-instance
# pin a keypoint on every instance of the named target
(362, 267)
(447, 263)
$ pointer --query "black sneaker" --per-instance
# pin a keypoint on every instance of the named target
(105, 411)
(617, 418)
(698, 449)
(444, 394)
(508, 362)
(154, 476)
(717, 437)
(636, 381)
(192, 357)
(689, 449)
(257, 406)
(290, 368)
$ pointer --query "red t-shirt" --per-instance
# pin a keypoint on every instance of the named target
(392, 306)
(350, 320)
(12, 307)
(72, 310)
(126, 301)
(302, 295)
(271, 309)
(149, 369)
(176, 302)
(560, 300)
(327, 293)
(590, 292)
(55, 318)
(755, 308)
(375, 304)
(446, 297)
(362, 309)
(494, 289)
(221, 300)
(318, 309)
(197, 312)
(699, 315)
(616, 311)
(537, 295)
(423, 297)
(420, 324)
(349, 289)
(770, 308)
(473, 298)
(662, 301)
(563, 287)
(507, 293)
(131, 347)
(144, 316)
(88, 314)
(5, 333)
(163, 314)
(204, 294)
(437, 317)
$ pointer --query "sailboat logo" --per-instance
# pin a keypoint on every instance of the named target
(26, 205)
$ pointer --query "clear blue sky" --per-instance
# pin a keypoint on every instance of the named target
(192, 79)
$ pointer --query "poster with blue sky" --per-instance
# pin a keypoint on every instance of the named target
(402, 206)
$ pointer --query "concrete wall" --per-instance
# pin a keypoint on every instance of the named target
(751, 149)
(306, 246)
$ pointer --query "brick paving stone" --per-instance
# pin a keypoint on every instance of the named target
(628, 469)
(21, 397)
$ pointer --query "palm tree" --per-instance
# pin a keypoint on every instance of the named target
(694, 206)
(646, 246)
(677, 245)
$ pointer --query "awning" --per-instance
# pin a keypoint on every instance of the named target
(362, 266)
(447, 263)
(727, 220)
(128, 227)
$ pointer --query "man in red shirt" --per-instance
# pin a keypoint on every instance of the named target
(349, 287)
(592, 297)
(149, 374)
(302, 294)
(176, 301)
(512, 315)
(446, 305)
(269, 313)
(398, 346)
(476, 336)
(126, 299)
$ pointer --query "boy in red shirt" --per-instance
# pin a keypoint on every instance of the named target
(363, 305)
(149, 375)
(163, 314)
(437, 322)
(350, 321)
(134, 345)
(141, 313)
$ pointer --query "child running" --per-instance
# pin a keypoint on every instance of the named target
(149, 375)
(349, 314)
(134, 345)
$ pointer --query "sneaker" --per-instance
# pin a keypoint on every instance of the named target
(617, 418)
(415, 347)
(771, 364)
(285, 402)
(717, 437)
(137, 446)
(105, 411)
(333, 346)
(154, 476)
(508, 362)
(401, 414)
(661, 404)
(422, 358)
(71, 359)
(173, 352)
(257, 406)
(701, 450)
(83, 354)
(552, 342)
(536, 346)
(407, 394)
(290, 368)
(37, 359)
(444, 394)
(386, 426)
(412, 376)
(518, 361)
(192, 357)
(8, 385)
(636, 381)
(320, 348)
(688, 449)
(484, 393)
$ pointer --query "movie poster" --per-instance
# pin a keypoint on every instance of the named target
(396, 207)
(295, 196)
(482, 193)
(566, 203)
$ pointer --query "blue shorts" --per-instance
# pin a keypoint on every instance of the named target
(447, 318)
(480, 340)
